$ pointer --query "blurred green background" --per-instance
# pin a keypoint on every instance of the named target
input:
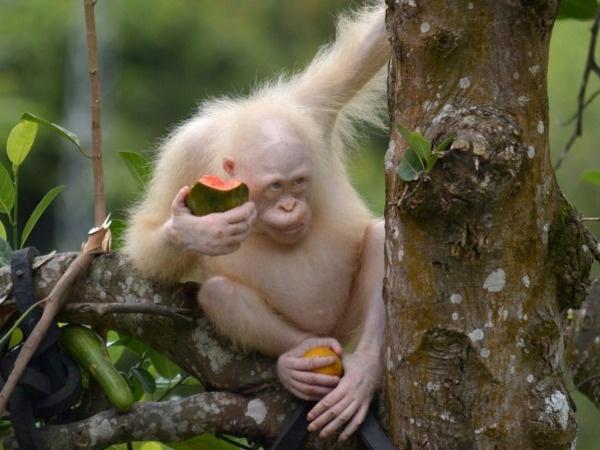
(160, 58)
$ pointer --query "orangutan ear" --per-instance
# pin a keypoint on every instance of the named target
(229, 165)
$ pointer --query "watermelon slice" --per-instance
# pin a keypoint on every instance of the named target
(211, 194)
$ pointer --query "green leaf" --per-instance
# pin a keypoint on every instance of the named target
(38, 211)
(591, 176)
(20, 140)
(135, 345)
(410, 166)
(7, 191)
(163, 365)
(117, 227)
(577, 9)
(2, 231)
(138, 165)
(144, 378)
(416, 141)
(15, 338)
(5, 252)
(203, 442)
(136, 387)
(445, 144)
(68, 135)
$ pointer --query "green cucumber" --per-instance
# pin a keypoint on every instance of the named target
(213, 195)
(88, 350)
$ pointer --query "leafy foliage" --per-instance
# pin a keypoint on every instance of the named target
(7, 191)
(38, 211)
(20, 140)
(138, 165)
(591, 176)
(577, 9)
(18, 146)
(61, 131)
(419, 158)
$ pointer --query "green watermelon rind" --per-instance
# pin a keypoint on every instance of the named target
(203, 199)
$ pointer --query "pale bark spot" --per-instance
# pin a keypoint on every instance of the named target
(456, 298)
(464, 82)
(495, 281)
(540, 127)
(401, 253)
(432, 387)
(454, 316)
(557, 405)
(545, 230)
(470, 5)
(256, 410)
(516, 75)
(530, 378)
(535, 69)
(389, 156)
(526, 281)
(523, 100)
(476, 335)
(425, 27)
(530, 152)
(485, 352)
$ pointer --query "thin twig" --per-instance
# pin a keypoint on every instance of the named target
(101, 309)
(590, 219)
(94, 72)
(588, 102)
(592, 243)
(590, 67)
(55, 300)
(172, 387)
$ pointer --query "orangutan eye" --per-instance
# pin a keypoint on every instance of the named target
(276, 186)
(300, 180)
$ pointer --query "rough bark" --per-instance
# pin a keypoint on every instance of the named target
(483, 254)
(170, 421)
(583, 349)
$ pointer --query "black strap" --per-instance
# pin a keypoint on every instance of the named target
(51, 382)
(294, 431)
(372, 434)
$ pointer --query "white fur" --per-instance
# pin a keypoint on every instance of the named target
(343, 86)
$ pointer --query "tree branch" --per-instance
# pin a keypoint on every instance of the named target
(258, 418)
(94, 72)
(193, 345)
(583, 345)
(101, 309)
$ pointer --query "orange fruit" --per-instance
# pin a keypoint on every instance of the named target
(334, 369)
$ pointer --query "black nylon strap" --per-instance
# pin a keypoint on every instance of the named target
(372, 434)
(51, 382)
(294, 431)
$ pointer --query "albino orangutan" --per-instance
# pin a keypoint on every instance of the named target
(301, 264)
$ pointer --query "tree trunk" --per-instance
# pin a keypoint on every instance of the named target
(483, 254)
